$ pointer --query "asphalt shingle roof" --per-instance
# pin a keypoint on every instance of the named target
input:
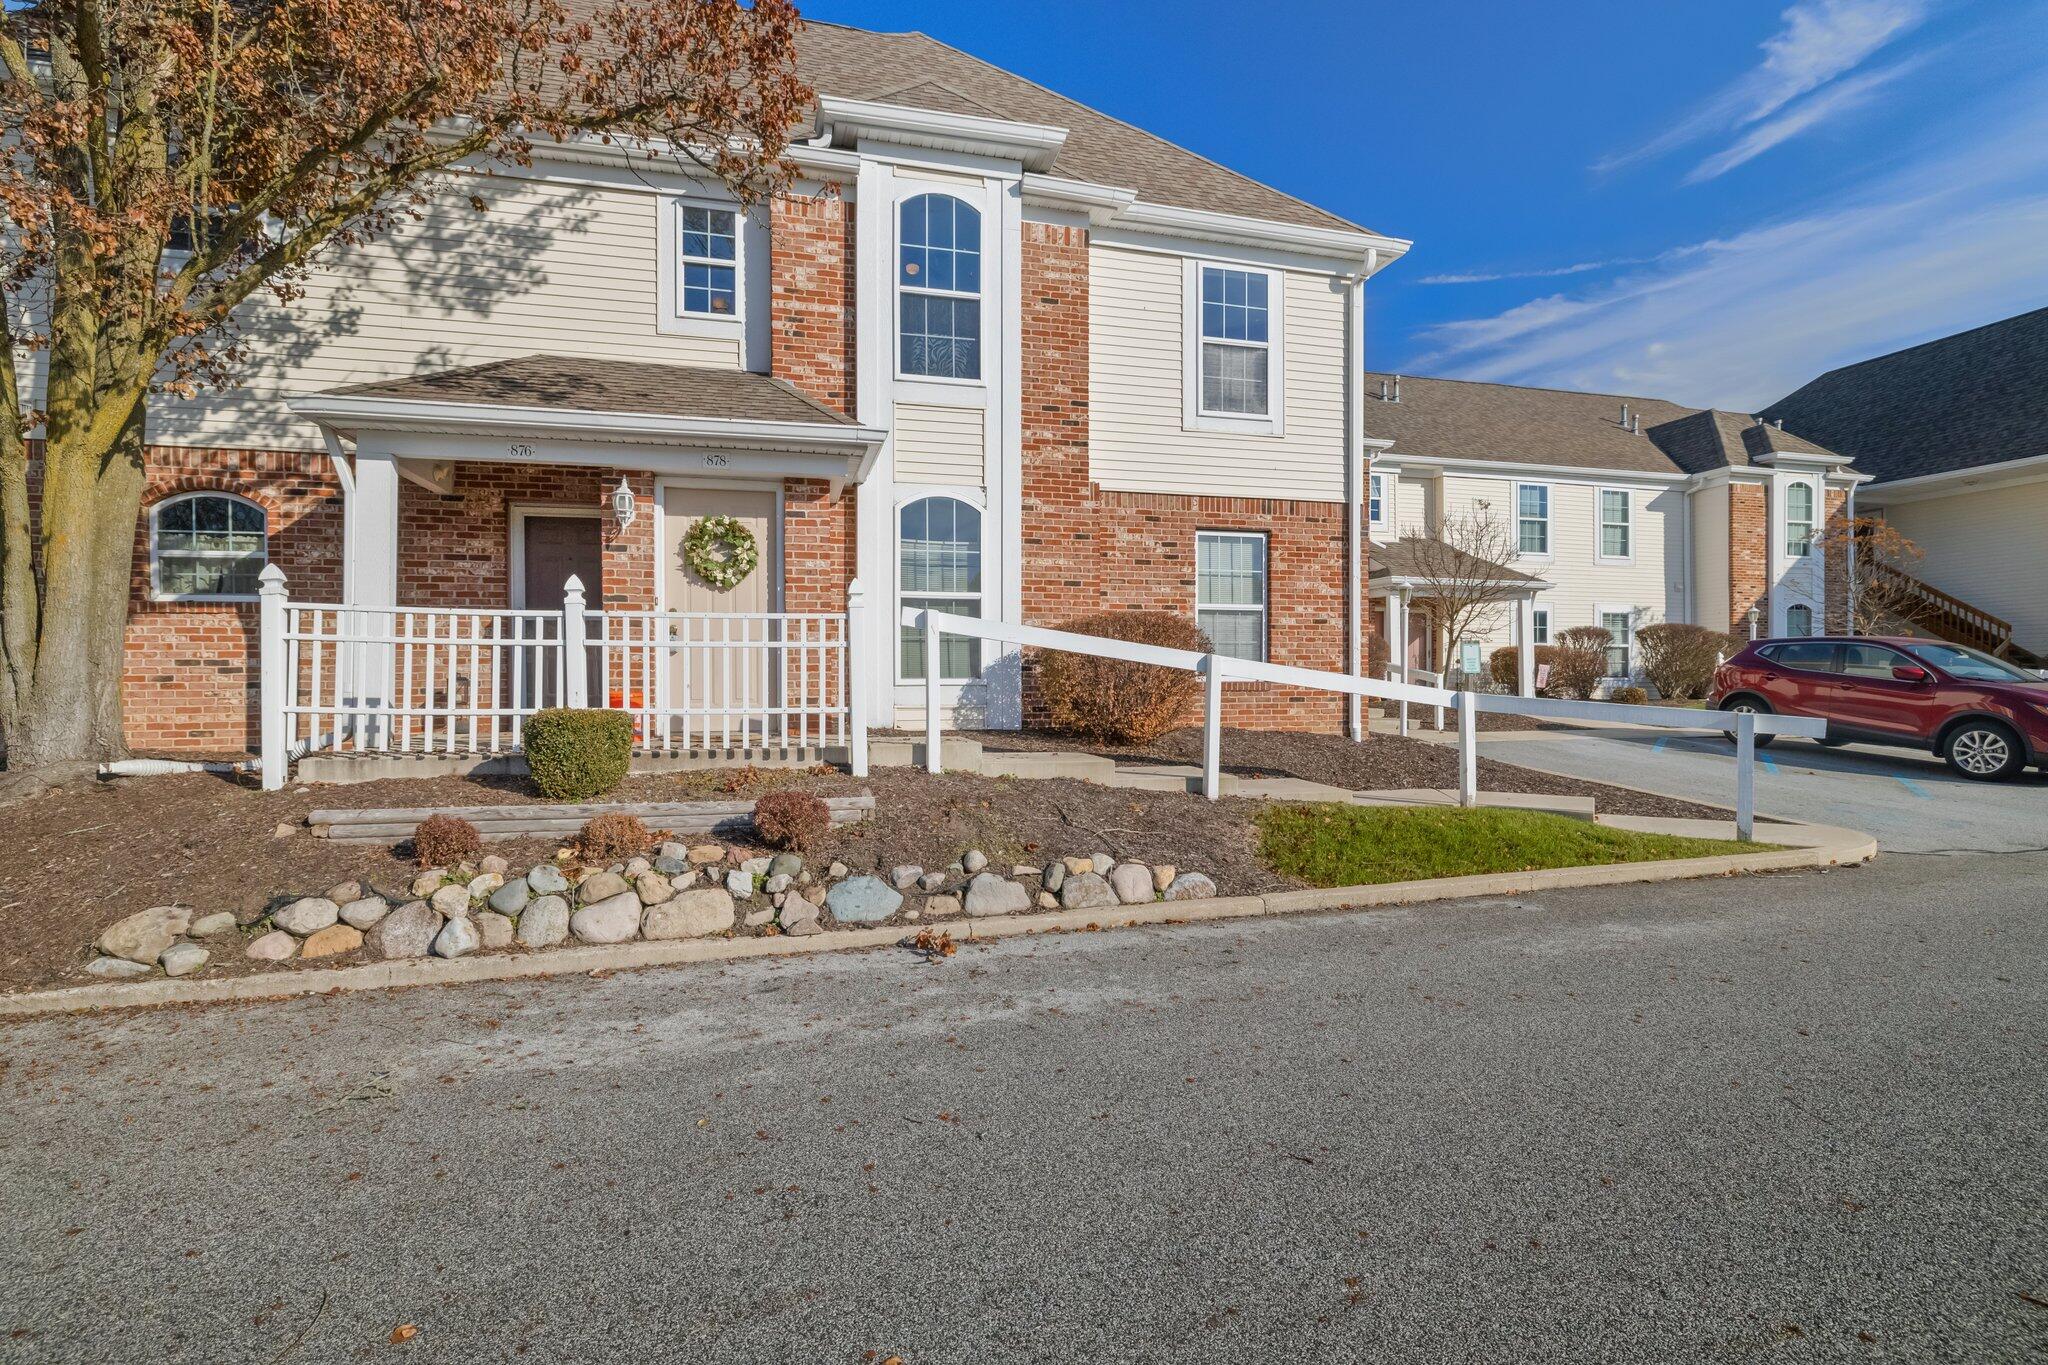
(553, 381)
(1976, 398)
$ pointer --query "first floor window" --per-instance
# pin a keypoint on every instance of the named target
(1540, 625)
(710, 261)
(1236, 342)
(1614, 523)
(1619, 628)
(939, 568)
(1799, 619)
(1532, 519)
(206, 545)
(1230, 592)
(1798, 519)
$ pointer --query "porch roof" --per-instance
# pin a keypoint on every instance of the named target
(584, 384)
(1404, 563)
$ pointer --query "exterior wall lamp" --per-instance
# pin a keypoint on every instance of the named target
(624, 505)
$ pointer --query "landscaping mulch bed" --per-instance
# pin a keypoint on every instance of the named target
(1376, 763)
(74, 860)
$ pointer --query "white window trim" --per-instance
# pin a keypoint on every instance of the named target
(1549, 550)
(905, 192)
(157, 594)
(1600, 614)
(974, 498)
(1600, 555)
(1274, 423)
(1812, 524)
(1811, 619)
(673, 321)
(1543, 610)
(1265, 607)
(1386, 483)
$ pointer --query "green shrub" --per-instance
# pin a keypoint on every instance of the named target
(1679, 659)
(575, 755)
(1581, 661)
(445, 840)
(1629, 696)
(791, 819)
(1501, 663)
(1113, 700)
(612, 837)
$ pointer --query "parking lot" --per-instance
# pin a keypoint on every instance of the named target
(1910, 800)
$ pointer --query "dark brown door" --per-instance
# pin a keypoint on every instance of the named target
(557, 547)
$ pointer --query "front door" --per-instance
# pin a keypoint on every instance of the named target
(555, 547)
(714, 677)
(1420, 633)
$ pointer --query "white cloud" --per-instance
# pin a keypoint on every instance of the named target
(1838, 98)
(1819, 40)
(1545, 273)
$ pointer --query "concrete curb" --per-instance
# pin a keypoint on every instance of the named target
(1818, 846)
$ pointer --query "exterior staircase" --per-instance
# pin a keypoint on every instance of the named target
(1946, 616)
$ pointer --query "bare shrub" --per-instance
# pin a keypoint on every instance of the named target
(445, 840)
(1679, 660)
(1113, 700)
(791, 819)
(1581, 661)
(607, 838)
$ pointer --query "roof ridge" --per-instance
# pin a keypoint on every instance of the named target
(1540, 388)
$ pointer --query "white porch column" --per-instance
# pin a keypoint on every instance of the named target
(369, 577)
(1397, 644)
(1525, 646)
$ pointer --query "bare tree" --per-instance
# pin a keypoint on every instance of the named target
(1460, 568)
(1884, 596)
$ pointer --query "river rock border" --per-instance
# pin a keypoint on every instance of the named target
(678, 891)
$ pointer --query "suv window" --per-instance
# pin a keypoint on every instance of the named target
(1871, 661)
(1815, 657)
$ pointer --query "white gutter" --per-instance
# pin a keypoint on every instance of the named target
(1993, 474)
(1370, 251)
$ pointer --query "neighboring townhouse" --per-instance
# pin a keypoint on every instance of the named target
(1954, 434)
(998, 354)
(1623, 512)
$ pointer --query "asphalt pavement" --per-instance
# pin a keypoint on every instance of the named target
(1784, 1118)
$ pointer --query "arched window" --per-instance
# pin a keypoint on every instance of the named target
(939, 567)
(1799, 619)
(207, 546)
(938, 278)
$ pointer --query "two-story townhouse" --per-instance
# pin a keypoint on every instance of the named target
(996, 353)
(1625, 511)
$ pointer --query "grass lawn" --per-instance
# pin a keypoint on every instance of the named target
(1332, 845)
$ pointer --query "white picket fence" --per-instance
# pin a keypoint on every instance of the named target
(449, 681)
(1218, 670)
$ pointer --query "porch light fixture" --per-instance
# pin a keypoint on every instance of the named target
(624, 504)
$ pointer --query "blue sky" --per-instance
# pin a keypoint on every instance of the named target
(1710, 202)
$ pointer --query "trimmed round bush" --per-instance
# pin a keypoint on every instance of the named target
(1501, 663)
(445, 840)
(609, 838)
(574, 755)
(1679, 660)
(791, 819)
(1629, 696)
(1113, 700)
(1581, 661)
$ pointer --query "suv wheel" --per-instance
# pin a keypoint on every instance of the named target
(1984, 751)
(1755, 706)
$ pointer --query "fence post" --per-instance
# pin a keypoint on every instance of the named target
(1745, 775)
(853, 678)
(1403, 677)
(933, 762)
(1468, 751)
(270, 675)
(575, 665)
(1212, 728)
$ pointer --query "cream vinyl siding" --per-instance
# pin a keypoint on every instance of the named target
(1412, 511)
(1579, 584)
(1710, 556)
(548, 269)
(1136, 365)
(1985, 548)
(943, 446)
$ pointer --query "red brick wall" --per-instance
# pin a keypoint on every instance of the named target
(1835, 612)
(1063, 562)
(456, 551)
(1749, 557)
(812, 292)
(187, 686)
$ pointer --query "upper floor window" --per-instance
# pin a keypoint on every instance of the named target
(709, 254)
(1616, 541)
(1532, 518)
(938, 277)
(207, 546)
(1376, 507)
(1798, 519)
(1230, 592)
(939, 568)
(1236, 342)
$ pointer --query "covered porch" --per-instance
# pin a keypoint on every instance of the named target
(1409, 585)
(671, 541)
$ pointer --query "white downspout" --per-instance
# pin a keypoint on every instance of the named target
(1358, 473)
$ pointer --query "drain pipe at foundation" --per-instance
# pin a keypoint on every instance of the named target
(166, 767)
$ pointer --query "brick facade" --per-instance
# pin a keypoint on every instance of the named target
(1749, 556)
(1836, 611)
(811, 287)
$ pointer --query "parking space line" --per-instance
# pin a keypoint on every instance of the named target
(1769, 766)
(1913, 787)
(1658, 747)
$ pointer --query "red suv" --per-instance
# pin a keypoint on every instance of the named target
(1988, 718)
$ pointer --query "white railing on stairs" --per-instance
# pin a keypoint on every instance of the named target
(1218, 670)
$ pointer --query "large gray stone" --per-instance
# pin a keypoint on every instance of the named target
(786, 865)
(493, 863)
(143, 936)
(601, 886)
(758, 866)
(116, 967)
(974, 860)
(451, 900)
(308, 915)
(485, 884)
(493, 930)
(777, 883)
(903, 876)
(796, 910)
(1055, 876)
(740, 882)
(407, 931)
(214, 925)
(545, 922)
(1132, 883)
(512, 897)
(615, 919)
(1190, 886)
(341, 893)
(365, 911)
(1086, 891)
(547, 880)
(671, 867)
(458, 938)
(183, 959)
(989, 894)
(931, 881)
(275, 946)
(692, 914)
(653, 888)
(863, 900)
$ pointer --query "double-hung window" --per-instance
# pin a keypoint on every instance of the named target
(1620, 624)
(938, 279)
(939, 568)
(207, 545)
(1230, 592)
(1798, 519)
(709, 256)
(1539, 625)
(1376, 507)
(1616, 524)
(1237, 346)
(1532, 518)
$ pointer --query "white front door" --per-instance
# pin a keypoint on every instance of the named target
(714, 678)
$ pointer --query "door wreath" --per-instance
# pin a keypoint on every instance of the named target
(721, 551)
